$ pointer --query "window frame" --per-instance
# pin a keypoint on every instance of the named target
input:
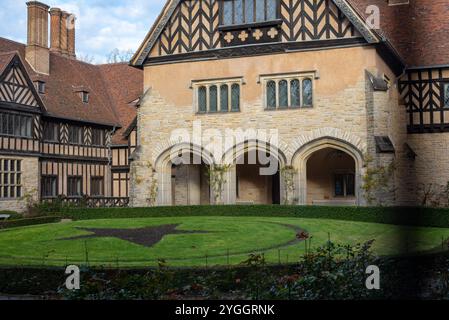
(11, 125)
(101, 186)
(244, 17)
(43, 189)
(344, 178)
(56, 132)
(40, 87)
(445, 90)
(81, 135)
(69, 185)
(85, 97)
(289, 77)
(102, 136)
(196, 85)
(17, 186)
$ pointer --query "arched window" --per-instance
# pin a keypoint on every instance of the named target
(271, 95)
(295, 93)
(283, 94)
(307, 95)
(224, 97)
(235, 97)
(213, 96)
(202, 99)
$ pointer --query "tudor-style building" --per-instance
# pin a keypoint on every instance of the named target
(345, 99)
(65, 125)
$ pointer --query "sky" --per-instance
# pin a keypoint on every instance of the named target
(101, 25)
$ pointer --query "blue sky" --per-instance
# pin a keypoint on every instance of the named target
(101, 25)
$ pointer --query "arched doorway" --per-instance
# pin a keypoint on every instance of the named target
(190, 184)
(253, 184)
(254, 177)
(330, 177)
(182, 176)
(329, 173)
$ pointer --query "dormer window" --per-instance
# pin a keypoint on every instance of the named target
(40, 87)
(85, 96)
(235, 12)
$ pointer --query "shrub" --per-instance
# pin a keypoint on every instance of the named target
(431, 217)
(7, 224)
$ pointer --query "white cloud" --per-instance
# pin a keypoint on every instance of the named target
(101, 25)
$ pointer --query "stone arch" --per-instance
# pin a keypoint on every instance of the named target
(329, 133)
(309, 148)
(163, 167)
(235, 152)
(240, 149)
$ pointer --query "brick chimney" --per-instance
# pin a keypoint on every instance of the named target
(55, 30)
(37, 53)
(71, 35)
(62, 32)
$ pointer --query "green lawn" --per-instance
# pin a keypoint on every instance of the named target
(42, 245)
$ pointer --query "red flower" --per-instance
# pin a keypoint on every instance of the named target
(303, 235)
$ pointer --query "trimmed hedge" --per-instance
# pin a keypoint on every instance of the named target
(12, 214)
(389, 215)
(7, 224)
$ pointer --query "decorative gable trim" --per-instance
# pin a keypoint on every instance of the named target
(356, 20)
(155, 32)
(16, 86)
(163, 21)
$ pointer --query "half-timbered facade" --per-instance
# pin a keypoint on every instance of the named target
(62, 120)
(345, 100)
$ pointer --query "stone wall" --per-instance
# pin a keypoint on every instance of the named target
(30, 184)
(341, 99)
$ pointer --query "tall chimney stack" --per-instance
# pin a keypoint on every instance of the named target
(37, 53)
(71, 35)
(55, 30)
(62, 32)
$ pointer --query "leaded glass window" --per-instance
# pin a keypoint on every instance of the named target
(271, 95)
(213, 96)
(283, 94)
(235, 97)
(227, 12)
(224, 97)
(271, 9)
(10, 178)
(307, 96)
(260, 10)
(202, 99)
(295, 93)
(288, 92)
(248, 11)
(15, 125)
(446, 95)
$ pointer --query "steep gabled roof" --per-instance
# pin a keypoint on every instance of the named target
(5, 59)
(145, 48)
(69, 76)
(125, 86)
(16, 86)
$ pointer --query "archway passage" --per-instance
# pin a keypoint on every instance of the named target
(331, 178)
(256, 181)
(190, 184)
